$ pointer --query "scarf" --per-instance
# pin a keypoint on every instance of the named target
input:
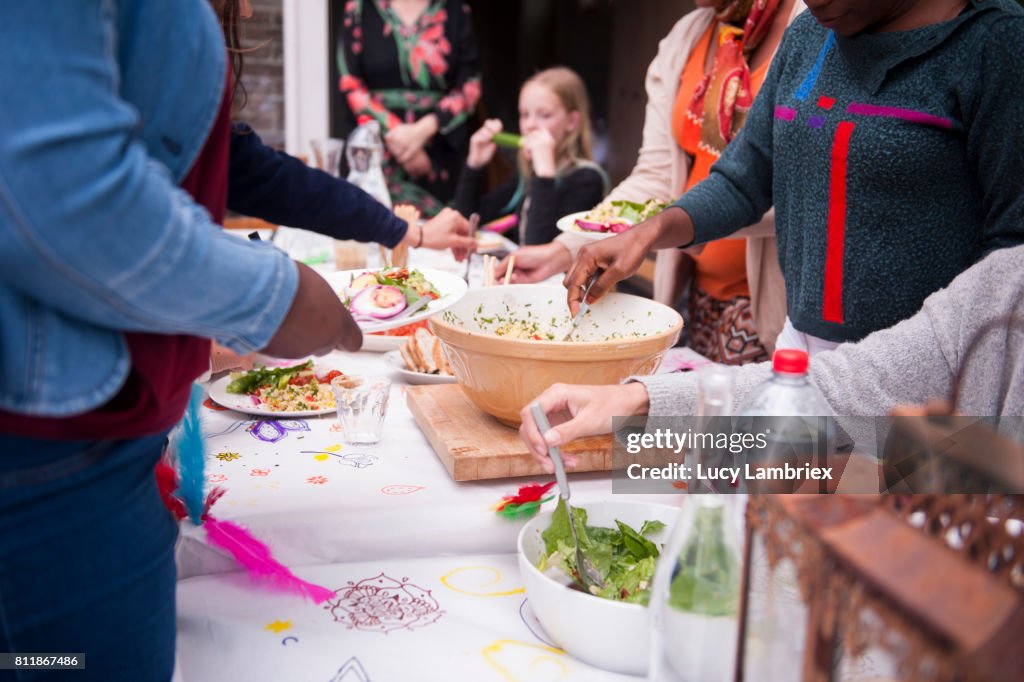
(723, 98)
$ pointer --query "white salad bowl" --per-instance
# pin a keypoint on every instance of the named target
(607, 634)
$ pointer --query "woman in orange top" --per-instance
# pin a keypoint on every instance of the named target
(718, 84)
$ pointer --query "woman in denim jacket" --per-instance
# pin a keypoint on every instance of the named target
(112, 278)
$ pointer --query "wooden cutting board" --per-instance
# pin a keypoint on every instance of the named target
(474, 445)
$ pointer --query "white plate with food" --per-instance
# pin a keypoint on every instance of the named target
(379, 296)
(302, 390)
(392, 339)
(394, 358)
(609, 218)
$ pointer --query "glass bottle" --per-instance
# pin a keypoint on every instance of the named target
(695, 599)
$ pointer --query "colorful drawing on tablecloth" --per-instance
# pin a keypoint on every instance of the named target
(317, 480)
(266, 431)
(322, 457)
(401, 489)
(284, 642)
(228, 456)
(529, 619)
(278, 626)
(352, 670)
(259, 472)
(273, 430)
(521, 661)
(216, 478)
(335, 428)
(357, 460)
(383, 604)
(332, 448)
(477, 583)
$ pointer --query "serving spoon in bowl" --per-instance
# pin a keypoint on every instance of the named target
(584, 306)
(589, 576)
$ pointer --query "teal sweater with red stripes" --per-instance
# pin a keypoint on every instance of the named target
(894, 162)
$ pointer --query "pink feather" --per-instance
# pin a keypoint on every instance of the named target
(258, 561)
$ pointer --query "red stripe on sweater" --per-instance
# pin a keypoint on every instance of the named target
(832, 303)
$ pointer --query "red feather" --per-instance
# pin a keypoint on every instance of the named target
(258, 561)
(167, 483)
(531, 492)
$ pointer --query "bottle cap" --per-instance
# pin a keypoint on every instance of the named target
(790, 361)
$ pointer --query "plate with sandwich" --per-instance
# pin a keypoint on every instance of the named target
(420, 360)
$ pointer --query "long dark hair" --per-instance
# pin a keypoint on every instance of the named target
(229, 12)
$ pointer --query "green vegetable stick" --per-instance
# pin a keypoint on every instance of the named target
(510, 140)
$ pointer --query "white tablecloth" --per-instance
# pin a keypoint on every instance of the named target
(439, 595)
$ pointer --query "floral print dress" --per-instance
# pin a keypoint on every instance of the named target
(398, 74)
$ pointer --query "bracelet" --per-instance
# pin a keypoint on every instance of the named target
(420, 242)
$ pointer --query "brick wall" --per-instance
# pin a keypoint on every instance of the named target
(263, 75)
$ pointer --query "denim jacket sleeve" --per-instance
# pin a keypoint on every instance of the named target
(92, 224)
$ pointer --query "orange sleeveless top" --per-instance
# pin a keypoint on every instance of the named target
(721, 268)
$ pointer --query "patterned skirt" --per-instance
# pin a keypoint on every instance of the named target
(723, 331)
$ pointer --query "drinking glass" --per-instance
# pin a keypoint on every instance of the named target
(362, 403)
(327, 154)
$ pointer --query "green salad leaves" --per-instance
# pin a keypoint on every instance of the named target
(636, 212)
(625, 557)
(263, 376)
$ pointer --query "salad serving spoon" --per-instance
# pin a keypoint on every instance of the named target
(589, 576)
(584, 306)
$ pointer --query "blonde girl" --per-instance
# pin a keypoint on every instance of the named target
(556, 174)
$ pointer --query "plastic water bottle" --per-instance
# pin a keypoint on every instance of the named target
(365, 153)
(797, 426)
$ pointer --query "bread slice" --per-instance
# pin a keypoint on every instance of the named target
(408, 357)
(425, 342)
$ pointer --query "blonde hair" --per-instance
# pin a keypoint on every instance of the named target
(572, 93)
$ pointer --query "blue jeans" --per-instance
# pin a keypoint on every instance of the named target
(86, 558)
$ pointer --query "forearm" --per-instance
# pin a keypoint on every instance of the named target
(268, 184)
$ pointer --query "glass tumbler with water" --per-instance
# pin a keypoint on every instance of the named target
(362, 403)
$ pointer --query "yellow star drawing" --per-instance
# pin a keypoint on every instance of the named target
(228, 456)
(277, 627)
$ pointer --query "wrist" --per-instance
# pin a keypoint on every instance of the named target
(637, 400)
(671, 228)
(419, 241)
(543, 167)
(429, 125)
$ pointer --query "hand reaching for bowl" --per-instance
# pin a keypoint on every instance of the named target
(577, 411)
(622, 255)
(449, 229)
(537, 263)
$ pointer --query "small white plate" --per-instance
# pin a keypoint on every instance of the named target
(243, 403)
(568, 224)
(394, 358)
(450, 286)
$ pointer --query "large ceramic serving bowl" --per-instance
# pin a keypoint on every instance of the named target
(607, 634)
(622, 335)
